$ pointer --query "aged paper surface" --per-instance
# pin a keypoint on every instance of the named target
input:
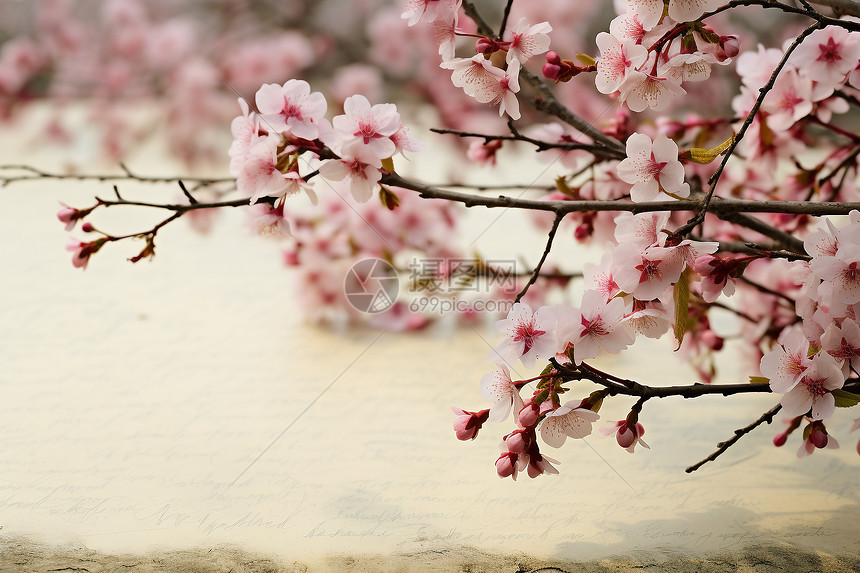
(183, 403)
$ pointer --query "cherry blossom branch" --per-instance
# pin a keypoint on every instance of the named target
(846, 7)
(517, 136)
(38, 174)
(546, 251)
(852, 8)
(546, 101)
(718, 205)
(505, 16)
(723, 446)
(763, 91)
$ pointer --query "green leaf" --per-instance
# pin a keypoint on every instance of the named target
(681, 295)
(759, 380)
(845, 399)
(586, 59)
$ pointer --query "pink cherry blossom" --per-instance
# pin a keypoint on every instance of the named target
(828, 55)
(599, 277)
(528, 41)
(715, 276)
(498, 389)
(487, 83)
(789, 101)
(842, 342)
(443, 31)
(642, 230)
(567, 421)
(292, 109)
(818, 439)
(359, 166)
(245, 129)
(540, 464)
(648, 12)
(814, 389)
(259, 175)
(529, 335)
(786, 363)
(417, 9)
(616, 60)
(371, 126)
(81, 252)
(653, 168)
(641, 91)
(467, 424)
(842, 271)
(646, 274)
(68, 215)
(269, 221)
(403, 141)
(627, 434)
(599, 327)
(691, 10)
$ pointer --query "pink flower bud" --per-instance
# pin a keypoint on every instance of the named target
(68, 215)
(779, 439)
(467, 424)
(553, 58)
(528, 415)
(487, 46)
(517, 442)
(87, 228)
(818, 438)
(730, 45)
(506, 464)
(626, 436)
(551, 71)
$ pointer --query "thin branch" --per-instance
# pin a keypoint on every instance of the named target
(719, 206)
(715, 178)
(505, 18)
(38, 174)
(547, 102)
(781, 237)
(850, 7)
(846, 164)
(541, 145)
(723, 446)
(546, 251)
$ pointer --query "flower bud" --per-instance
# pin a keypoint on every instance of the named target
(528, 415)
(779, 439)
(626, 436)
(730, 45)
(486, 46)
(551, 71)
(467, 424)
(87, 228)
(517, 442)
(818, 438)
(506, 464)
